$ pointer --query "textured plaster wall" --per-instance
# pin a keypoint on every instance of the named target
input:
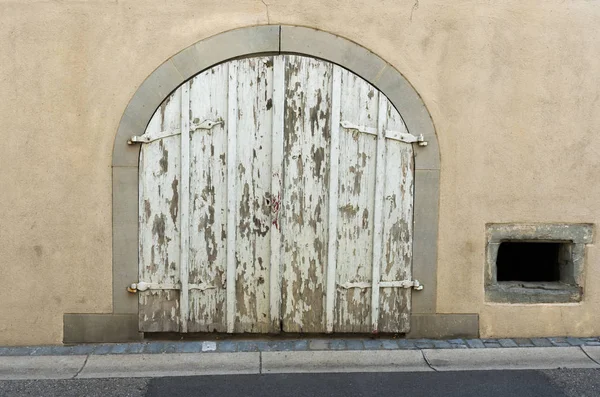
(512, 88)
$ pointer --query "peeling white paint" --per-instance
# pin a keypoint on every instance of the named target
(266, 238)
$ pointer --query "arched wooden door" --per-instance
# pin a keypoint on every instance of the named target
(276, 194)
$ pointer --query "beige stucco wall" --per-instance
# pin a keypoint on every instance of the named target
(512, 89)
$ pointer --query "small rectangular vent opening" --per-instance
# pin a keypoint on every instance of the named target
(529, 261)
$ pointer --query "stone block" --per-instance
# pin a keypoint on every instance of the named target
(443, 326)
(98, 328)
(312, 42)
(338, 344)
(318, 344)
(125, 240)
(222, 47)
(355, 344)
(507, 343)
(425, 236)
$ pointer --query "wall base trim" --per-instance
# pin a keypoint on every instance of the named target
(443, 326)
(112, 328)
(100, 328)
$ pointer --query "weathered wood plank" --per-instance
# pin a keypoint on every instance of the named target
(184, 206)
(208, 200)
(305, 196)
(356, 203)
(394, 315)
(232, 114)
(378, 213)
(276, 190)
(334, 171)
(159, 249)
(253, 193)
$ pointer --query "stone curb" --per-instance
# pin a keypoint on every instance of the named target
(343, 361)
(189, 364)
(45, 367)
(507, 358)
(593, 352)
(176, 364)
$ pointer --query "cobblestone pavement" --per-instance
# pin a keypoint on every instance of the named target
(234, 345)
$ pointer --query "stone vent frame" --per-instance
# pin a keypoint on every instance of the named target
(572, 237)
(121, 324)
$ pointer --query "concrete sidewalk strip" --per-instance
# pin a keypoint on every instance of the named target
(42, 367)
(174, 364)
(593, 352)
(509, 358)
(319, 361)
(344, 361)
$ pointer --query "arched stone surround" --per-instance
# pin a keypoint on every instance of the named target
(268, 39)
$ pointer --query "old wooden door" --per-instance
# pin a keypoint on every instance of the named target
(276, 194)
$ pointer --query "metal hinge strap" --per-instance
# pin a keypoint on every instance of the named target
(151, 137)
(389, 134)
(415, 284)
(144, 286)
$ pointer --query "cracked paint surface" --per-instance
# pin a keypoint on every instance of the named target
(290, 198)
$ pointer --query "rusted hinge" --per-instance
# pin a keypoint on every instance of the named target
(389, 134)
(144, 286)
(151, 137)
(414, 284)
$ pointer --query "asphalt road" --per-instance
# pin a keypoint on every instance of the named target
(553, 383)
